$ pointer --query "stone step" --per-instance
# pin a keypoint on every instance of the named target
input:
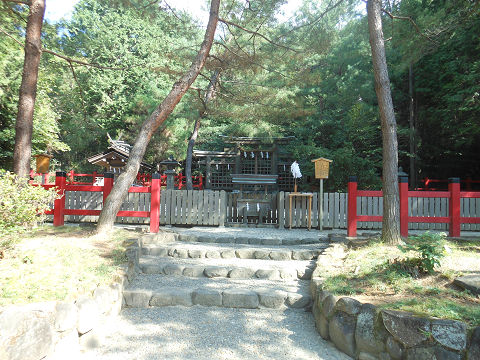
(166, 237)
(203, 250)
(149, 290)
(234, 268)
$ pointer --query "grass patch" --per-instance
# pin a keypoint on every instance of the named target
(383, 275)
(59, 264)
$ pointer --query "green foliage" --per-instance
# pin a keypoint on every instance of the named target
(429, 249)
(22, 205)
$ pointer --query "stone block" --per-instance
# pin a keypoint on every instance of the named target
(420, 353)
(25, 334)
(303, 255)
(240, 299)
(66, 315)
(193, 270)
(474, 348)
(103, 298)
(297, 301)
(271, 241)
(207, 297)
(172, 297)
(348, 305)
(328, 306)
(322, 326)
(67, 346)
(180, 253)
(341, 329)
(225, 240)
(315, 286)
(450, 334)
(137, 299)
(288, 274)
(261, 254)
(161, 252)
(244, 253)
(228, 254)
(304, 274)
(241, 273)
(446, 354)
(469, 282)
(213, 254)
(173, 269)
(246, 241)
(272, 299)
(268, 274)
(407, 329)
(393, 348)
(196, 253)
(369, 336)
(88, 314)
(366, 356)
(280, 255)
(215, 271)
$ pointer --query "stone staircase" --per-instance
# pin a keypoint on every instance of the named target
(250, 271)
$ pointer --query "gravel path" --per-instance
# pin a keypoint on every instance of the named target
(197, 333)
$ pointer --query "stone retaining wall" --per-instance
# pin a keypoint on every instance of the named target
(366, 332)
(60, 330)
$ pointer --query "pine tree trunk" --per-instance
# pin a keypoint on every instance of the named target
(391, 215)
(125, 180)
(28, 89)
(202, 113)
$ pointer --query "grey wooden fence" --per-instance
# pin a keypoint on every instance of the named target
(206, 207)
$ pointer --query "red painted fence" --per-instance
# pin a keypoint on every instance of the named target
(59, 210)
(453, 195)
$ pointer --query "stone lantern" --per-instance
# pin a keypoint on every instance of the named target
(171, 164)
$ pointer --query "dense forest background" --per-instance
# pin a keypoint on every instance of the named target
(310, 77)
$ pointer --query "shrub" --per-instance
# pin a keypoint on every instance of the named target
(429, 248)
(22, 206)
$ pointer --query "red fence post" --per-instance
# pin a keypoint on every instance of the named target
(454, 206)
(59, 204)
(155, 203)
(107, 185)
(403, 192)
(352, 207)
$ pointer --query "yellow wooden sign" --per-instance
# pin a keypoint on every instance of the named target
(321, 168)
(43, 163)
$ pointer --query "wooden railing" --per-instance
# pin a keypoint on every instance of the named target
(60, 211)
(454, 219)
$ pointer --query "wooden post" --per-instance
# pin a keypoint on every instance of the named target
(454, 207)
(352, 207)
(59, 204)
(320, 207)
(155, 203)
(107, 184)
(209, 173)
(403, 192)
(281, 209)
(223, 209)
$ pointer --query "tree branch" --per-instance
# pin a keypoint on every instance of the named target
(83, 62)
(20, 2)
(226, 22)
(408, 18)
(79, 89)
(11, 37)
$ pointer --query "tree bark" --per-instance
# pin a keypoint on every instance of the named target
(125, 180)
(411, 120)
(391, 215)
(28, 89)
(210, 94)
